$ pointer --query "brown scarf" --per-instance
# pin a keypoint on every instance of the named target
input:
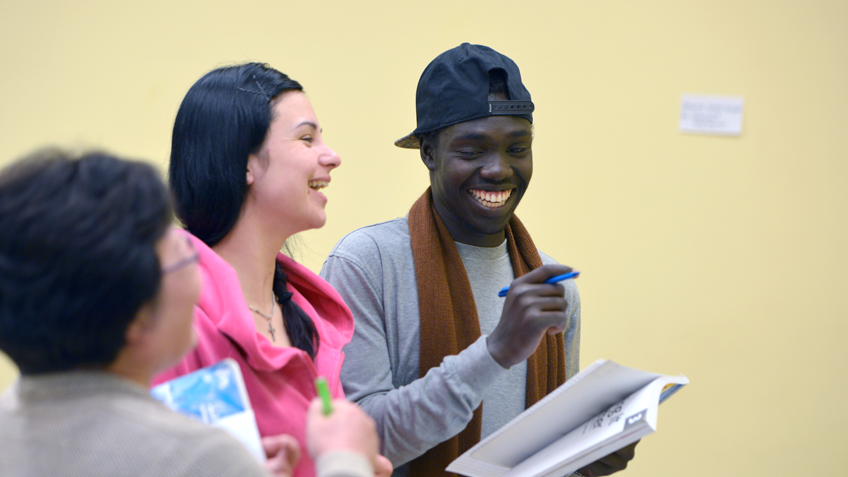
(450, 324)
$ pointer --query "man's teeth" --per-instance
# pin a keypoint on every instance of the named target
(317, 185)
(491, 199)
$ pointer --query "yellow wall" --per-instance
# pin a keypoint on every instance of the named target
(720, 258)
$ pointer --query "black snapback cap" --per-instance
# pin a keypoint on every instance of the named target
(454, 88)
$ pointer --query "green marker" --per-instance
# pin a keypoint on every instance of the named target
(324, 393)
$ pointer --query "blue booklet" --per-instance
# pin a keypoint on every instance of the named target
(215, 395)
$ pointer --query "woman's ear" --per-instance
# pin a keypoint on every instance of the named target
(252, 162)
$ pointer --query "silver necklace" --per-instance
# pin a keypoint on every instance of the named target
(268, 317)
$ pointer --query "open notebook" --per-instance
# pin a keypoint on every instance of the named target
(600, 410)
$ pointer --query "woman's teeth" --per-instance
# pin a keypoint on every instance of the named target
(317, 185)
(491, 199)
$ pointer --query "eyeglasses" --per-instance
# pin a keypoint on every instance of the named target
(192, 258)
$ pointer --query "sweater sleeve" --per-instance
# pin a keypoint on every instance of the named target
(343, 464)
(412, 416)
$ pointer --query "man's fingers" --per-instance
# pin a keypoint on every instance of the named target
(556, 303)
(544, 272)
(526, 294)
(628, 452)
(553, 322)
(612, 463)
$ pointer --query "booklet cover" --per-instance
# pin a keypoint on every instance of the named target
(215, 395)
(597, 412)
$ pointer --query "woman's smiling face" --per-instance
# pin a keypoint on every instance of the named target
(286, 175)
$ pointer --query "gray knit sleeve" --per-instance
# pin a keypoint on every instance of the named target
(376, 278)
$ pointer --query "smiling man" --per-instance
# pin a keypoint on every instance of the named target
(433, 340)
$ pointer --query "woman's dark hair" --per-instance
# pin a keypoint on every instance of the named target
(224, 118)
(77, 256)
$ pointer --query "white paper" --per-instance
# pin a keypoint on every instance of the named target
(720, 115)
(243, 427)
(603, 408)
(606, 383)
(625, 422)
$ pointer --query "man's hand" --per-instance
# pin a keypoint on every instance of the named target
(610, 464)
(347, 428)
(531, 310)
(282, 452)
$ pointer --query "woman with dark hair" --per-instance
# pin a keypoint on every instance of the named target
(248, 162)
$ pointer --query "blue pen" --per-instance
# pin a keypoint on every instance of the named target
(555, 279)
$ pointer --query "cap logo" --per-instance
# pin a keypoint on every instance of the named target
(510, 107)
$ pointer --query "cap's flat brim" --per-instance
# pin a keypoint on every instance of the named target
(409, 141)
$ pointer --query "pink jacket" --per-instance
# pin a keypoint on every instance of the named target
(279, 381)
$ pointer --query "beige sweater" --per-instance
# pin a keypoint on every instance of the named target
(97, 424)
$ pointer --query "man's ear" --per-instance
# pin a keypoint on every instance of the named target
(141, 325)
(428, 154)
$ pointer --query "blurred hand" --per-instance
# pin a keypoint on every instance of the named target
(532, 309)
(610, 464)
(282, 452)
(347, 428)
(383, 467)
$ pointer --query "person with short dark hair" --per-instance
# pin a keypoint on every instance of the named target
(248, 163)
(437, 358)
(96, 296)
(97, 292)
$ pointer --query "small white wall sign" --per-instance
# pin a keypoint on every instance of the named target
(720, 115)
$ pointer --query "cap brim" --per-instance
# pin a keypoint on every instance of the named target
(409, 141)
